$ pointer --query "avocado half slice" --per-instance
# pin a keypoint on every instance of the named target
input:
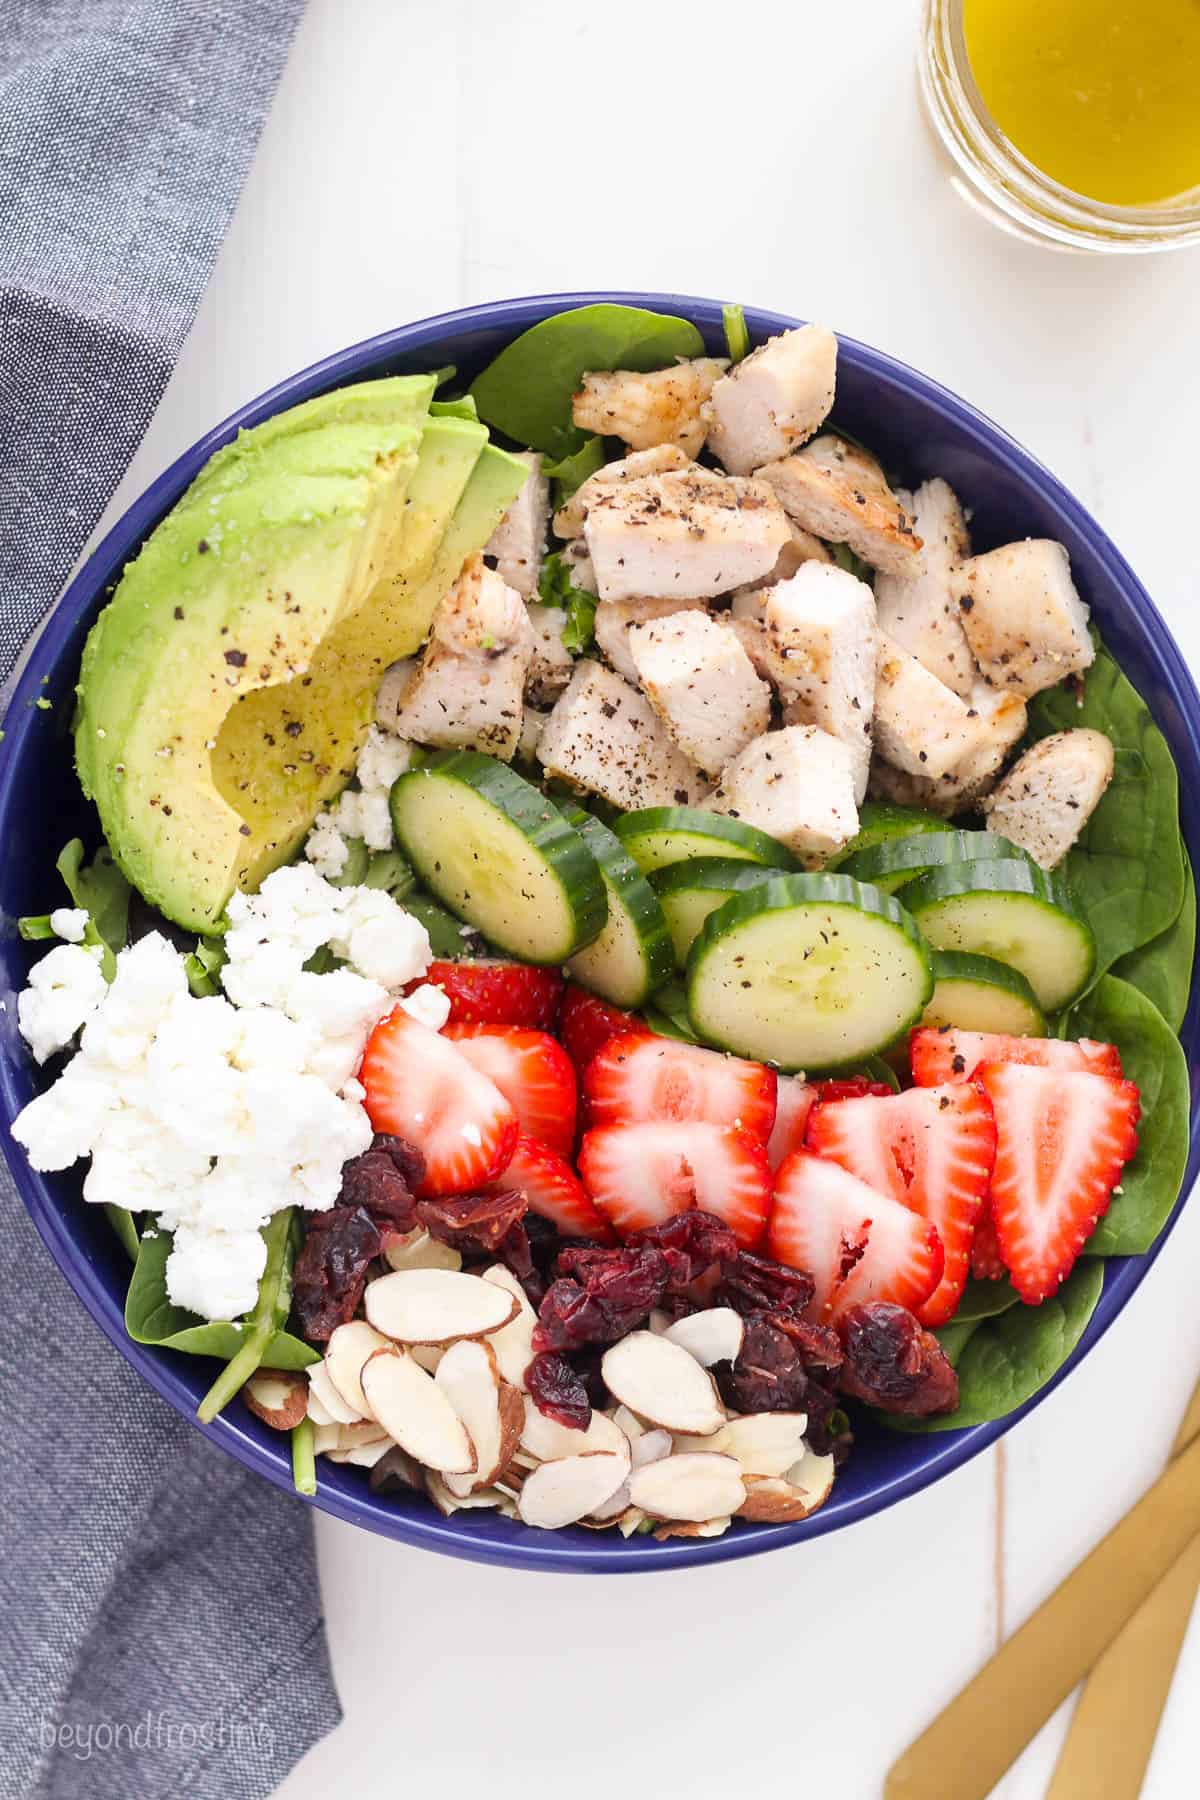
(227, 687)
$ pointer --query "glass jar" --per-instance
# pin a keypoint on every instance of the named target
(994, 177)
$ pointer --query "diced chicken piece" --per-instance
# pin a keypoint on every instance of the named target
(691, 535)
(702, 685)
(960, 789)
(752, 636)
(1023, 617)
(664, 407)
(922, 616)
(800, 548)
(467, 688)
(391, 691)
(774, 399)
(578, 565)
(838, 491)
(615, 617)
(821, 643)
(605, 737)
(664, 459)
(533, 723)
(1051, 792)
(920, 725)
(551, 664)
(796, 784)
(518, 543)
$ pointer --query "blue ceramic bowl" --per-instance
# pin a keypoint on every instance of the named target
(916, 427)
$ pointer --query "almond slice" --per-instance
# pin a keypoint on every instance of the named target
(325, 1437)
(436, 1306)
(662, 1383)
(712, 1336)
(448, 1501)
(765, 1443)
(770, 1500)
(470, 1380)
(426, 1356)
(418, 1250)
(547, 1440)
(698, 1487)
(396, 1472)
(362, 1456)
(813, 1475)
(412, 1409)
(323, 1420)
(513, 1343)
(566, 1490)
(707, 1528)
(331, 1406)
(646, 1447)
(346, 1352)
(629, 1423)
(279, 1397)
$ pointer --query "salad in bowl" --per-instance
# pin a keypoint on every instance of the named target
(624, 956)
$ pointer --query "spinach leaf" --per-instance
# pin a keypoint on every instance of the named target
(448, 937)
(150, 1318)
(103, 893)
(270, 1313)
(203, 967)
(737, 338)
(35, 928)
(125, 1226)
(667, 1014)
(354, 870)
(1003, 1361)
(1127, 868)
(849, 559)
(1162, 969)
(555, 588)
(304, 1461)
(1151, 1055)
(390, 871)
(570, 472)
(984, 1300)
(526, 392)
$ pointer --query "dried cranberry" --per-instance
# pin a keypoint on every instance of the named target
(828, 1429)
(373, 1182)
(475, 1223)
(556, 1390)
(691, 1242)
(409, 1161)
(613, 1294)
(755, 1284)
(894, 1363)
(819, 1345)
(331, 1269)
(769, 1373)
(589, 1366)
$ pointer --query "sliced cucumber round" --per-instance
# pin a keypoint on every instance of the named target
(808, 972)
(877, 822)
(632, 954)
(978, 994)
(689, 891)
(494, 850)
(1013, 911)
(893, 862)
(659, 835)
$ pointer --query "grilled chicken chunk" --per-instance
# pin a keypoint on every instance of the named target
(1051, 792)
(796, 784)
(614, 619)
(466, 690)
(690, 535)
(518, 543)
(920, 725)
(702, 685)
(662, 460)
(922, 615)
(1022, 615)
(665, 407)
(773, 400)
(961, 787)
(605, 738)
(838, 491)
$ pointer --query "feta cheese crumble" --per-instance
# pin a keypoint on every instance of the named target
(69, 923)
(363, 812)
(65, 988)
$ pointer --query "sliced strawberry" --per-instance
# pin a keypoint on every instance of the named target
(947, 1054)
(585, 1024)
(851, 1087)
(987, 1264)
(1062, 1138)
(794, 1099)
(930, 1148)
(553, 1190)
(532, 1071)
(420, 1087)
(498, 993)
(641, 1174)
(632, 1079)
(855, 1243)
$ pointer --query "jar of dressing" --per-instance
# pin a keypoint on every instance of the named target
(1073, 123)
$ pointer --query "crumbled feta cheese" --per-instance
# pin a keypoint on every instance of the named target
(375, 819)
(383, 759)
(65, 988)
(429, 1004)
(379, 939)
(326, 848)
(215, 1273)
(69, 923)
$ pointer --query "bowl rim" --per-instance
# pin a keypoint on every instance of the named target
(523, 1546)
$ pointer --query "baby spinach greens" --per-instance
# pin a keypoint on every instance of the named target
(304, 1459)
(1003, 1361)
(983, 1300)
(570, 472)
(555, 588)
(1162, 969)
(270, 1314)
(1152, 1056)
(526, 392)
(203, 967)
(101, 891)
(1127, 868)
(737, 338)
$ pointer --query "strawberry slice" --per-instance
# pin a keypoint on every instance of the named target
(553, 1190)
(585, 1024)
(633, 1079)
(1062, 1138)
(794, 1099)
(532, 1071)
(498, 993)
(932, 1149)
(851, 1087)
(987, 1264)
(640, 1174)
(420, 1087)
(947, 1054)
(855, 1243)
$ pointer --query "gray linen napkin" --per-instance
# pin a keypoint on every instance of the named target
(160, 1625)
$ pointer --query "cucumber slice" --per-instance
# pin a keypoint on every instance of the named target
(877, 822)
(632, 955)
(667, 1013)
(808, 972)
(689, 891)
(495, 851)
(894, 862)
(669, 834)
(978, 994)
(1013, 911)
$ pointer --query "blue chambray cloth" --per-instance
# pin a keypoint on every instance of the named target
(160, 1621)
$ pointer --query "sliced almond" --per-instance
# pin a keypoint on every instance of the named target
(696, 1487)
(629, 1423)
(427, 1356)
(492, 1411)
(279, 1397)
(331, 1406)
(706, 1528)
(448, 1501)
(362, 1456)
(765, 1443)
(419, 1250)
(646, 1447)
(770, 1500)
(513, 1343)
(547, 1440)
(630, 1519)
(412, 1409)
(397, 1472)
(325, 1436)
(564, 1491)
(662, 1383)
(712, 1336)
(323, 1420)
(345, 1354)
(813, 1475)
(436, 1306)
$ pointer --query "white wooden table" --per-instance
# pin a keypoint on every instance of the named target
(433, 153)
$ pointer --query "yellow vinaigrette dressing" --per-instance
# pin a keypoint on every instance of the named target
(1103, 96)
